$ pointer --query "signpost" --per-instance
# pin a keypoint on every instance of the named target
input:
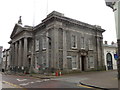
(115, 5)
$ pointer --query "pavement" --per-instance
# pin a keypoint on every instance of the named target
(103, 80)
(97, 79)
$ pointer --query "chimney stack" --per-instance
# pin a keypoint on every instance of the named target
(112, 43)
(106, 42)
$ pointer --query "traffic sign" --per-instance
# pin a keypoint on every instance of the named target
(115, 56)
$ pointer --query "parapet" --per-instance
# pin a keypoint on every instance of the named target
(55, 13)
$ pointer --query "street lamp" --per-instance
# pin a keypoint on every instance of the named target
(115, 5)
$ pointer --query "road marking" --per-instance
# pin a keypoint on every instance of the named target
(84, 86)
(46, 79)
(24, 84)
(88, 87)
(39, 81)
(22, 79)
(32, 82)
(14, 85)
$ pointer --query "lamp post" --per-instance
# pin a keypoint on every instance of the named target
(115, 5)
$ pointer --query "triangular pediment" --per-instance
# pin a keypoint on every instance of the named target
(17, 29)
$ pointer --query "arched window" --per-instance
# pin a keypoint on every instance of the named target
(109, 61)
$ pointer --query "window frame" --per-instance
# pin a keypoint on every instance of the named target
(74, 62)
(37, 45)
(91, 62)
(44, 43)
(90, 45)
(74, 41)
(82, 43)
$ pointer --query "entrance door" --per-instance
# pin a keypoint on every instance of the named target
(83, 63)
(29, 62)
(109, 61)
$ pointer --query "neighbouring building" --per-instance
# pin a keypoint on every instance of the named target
(1, 57)
(6, 59)
(58, 42)
(109, 52)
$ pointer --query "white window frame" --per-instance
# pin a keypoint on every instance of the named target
(90, 45)
(37, 45)
(36, 63)
(91, 62)
(73, 41)
(82, 43)
(44, 43)
(74, 61)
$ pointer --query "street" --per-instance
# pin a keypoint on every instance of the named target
(103, 79)
(30, 82)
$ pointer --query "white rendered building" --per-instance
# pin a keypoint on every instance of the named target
(109, 51)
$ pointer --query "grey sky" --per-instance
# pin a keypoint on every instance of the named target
(94, 12)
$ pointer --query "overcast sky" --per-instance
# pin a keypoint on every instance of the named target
(93, 12)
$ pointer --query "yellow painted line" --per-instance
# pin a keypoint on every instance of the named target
(88, 87)
(16, 86)
(84, 86)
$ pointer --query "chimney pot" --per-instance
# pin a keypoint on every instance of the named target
(105, 42)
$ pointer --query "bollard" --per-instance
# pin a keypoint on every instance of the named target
(56, 74)
(60, 73)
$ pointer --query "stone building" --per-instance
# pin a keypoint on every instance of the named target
(1, 57)
(6, 59)
(109, 52)
(58, 42)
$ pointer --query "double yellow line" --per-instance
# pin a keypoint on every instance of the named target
(14, 85)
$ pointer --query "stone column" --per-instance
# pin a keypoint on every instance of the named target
(25, 64)
(13, 54)
(32, 56)
(47, 51)
(10, 55)
(80, 63)
(64, 51)
(55, 56)
(20, 53)
(16, 54)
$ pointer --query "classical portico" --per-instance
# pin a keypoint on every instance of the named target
(20, 48)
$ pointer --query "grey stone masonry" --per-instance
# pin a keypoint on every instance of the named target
(58, 43)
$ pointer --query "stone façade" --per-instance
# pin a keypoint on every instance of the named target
(58, 43)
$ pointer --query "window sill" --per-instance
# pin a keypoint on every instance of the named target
(74, 68)
(44, 49)
(90, 49)
(83, 48)
(37, 50)
(73, 47)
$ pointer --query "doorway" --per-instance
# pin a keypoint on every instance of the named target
(82, 63)
(29, 62)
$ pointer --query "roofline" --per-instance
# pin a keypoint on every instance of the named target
(73, 21)
(110, 46)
